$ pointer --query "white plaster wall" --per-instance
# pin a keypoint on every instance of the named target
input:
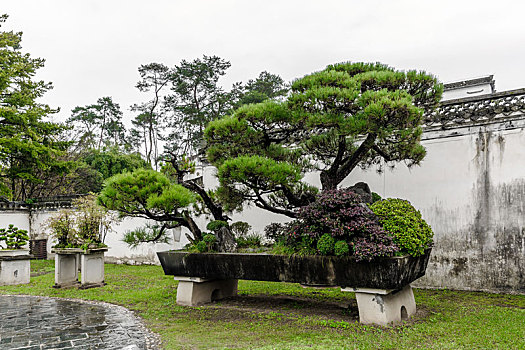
(19, 218)
(144, 253)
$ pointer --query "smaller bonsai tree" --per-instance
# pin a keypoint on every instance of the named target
(92, 221)
(62, 227)
(13, 237)
(404, 222)
(84, 227)
(338, 223)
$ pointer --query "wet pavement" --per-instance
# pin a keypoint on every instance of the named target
(38, 323)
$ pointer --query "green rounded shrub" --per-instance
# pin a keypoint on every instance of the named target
(341, 248)
(325, 244)
(209, 238)
(375, 197)
(411, 233)
(201, 246)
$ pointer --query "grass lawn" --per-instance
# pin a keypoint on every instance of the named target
(269, 315)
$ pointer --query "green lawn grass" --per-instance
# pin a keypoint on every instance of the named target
(270, 315)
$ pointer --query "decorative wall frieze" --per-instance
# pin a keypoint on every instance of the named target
(477, 109)
(47, 203)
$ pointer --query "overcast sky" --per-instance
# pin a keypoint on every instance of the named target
(93, 48)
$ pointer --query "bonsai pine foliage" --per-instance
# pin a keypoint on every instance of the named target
(348, 115)
(150, 194)
(13, 237)
(398, 217)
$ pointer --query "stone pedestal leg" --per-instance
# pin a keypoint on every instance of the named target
(66, 270)
(92, 270)
(194, 291)
(14, 272)
(383, 306)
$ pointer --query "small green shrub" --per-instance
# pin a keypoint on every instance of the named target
(326, 244)
(375, 197)
(201, 246)
(276, 232)
(249, 241)
(240, 228)
(206, 245)
(13, 237)
(216, 225)
(341, 248)
(210, 240)
(306, 246)
(398, 217)
(281, 248)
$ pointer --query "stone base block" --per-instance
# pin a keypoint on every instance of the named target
(14, 272)
(66, 270)
(385, 307)
(193, 291)
(92, 270)
(92, 285)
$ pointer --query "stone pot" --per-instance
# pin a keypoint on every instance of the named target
(382, 286)
(13, 252)
(15, 266)
(383, 273)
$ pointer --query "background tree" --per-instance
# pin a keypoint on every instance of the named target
(193, 100)
(266, 86)
(98, 125)
(147, 124)
(345, 116)
(196, 98)
(29, 149)
(87, 173)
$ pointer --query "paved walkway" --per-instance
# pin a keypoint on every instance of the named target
(37, 323)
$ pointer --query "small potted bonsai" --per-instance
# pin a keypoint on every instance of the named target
(80, 235)
(14, 257)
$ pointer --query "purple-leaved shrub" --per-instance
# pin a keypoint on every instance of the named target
(341, 214)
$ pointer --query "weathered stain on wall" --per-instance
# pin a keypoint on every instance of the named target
(480, 241)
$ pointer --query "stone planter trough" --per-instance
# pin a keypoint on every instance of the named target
(382, 286)
(68, 261)
(15, 266)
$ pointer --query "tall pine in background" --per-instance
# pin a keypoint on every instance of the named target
(29, 150)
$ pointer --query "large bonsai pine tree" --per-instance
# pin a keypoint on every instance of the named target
(348, 115)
